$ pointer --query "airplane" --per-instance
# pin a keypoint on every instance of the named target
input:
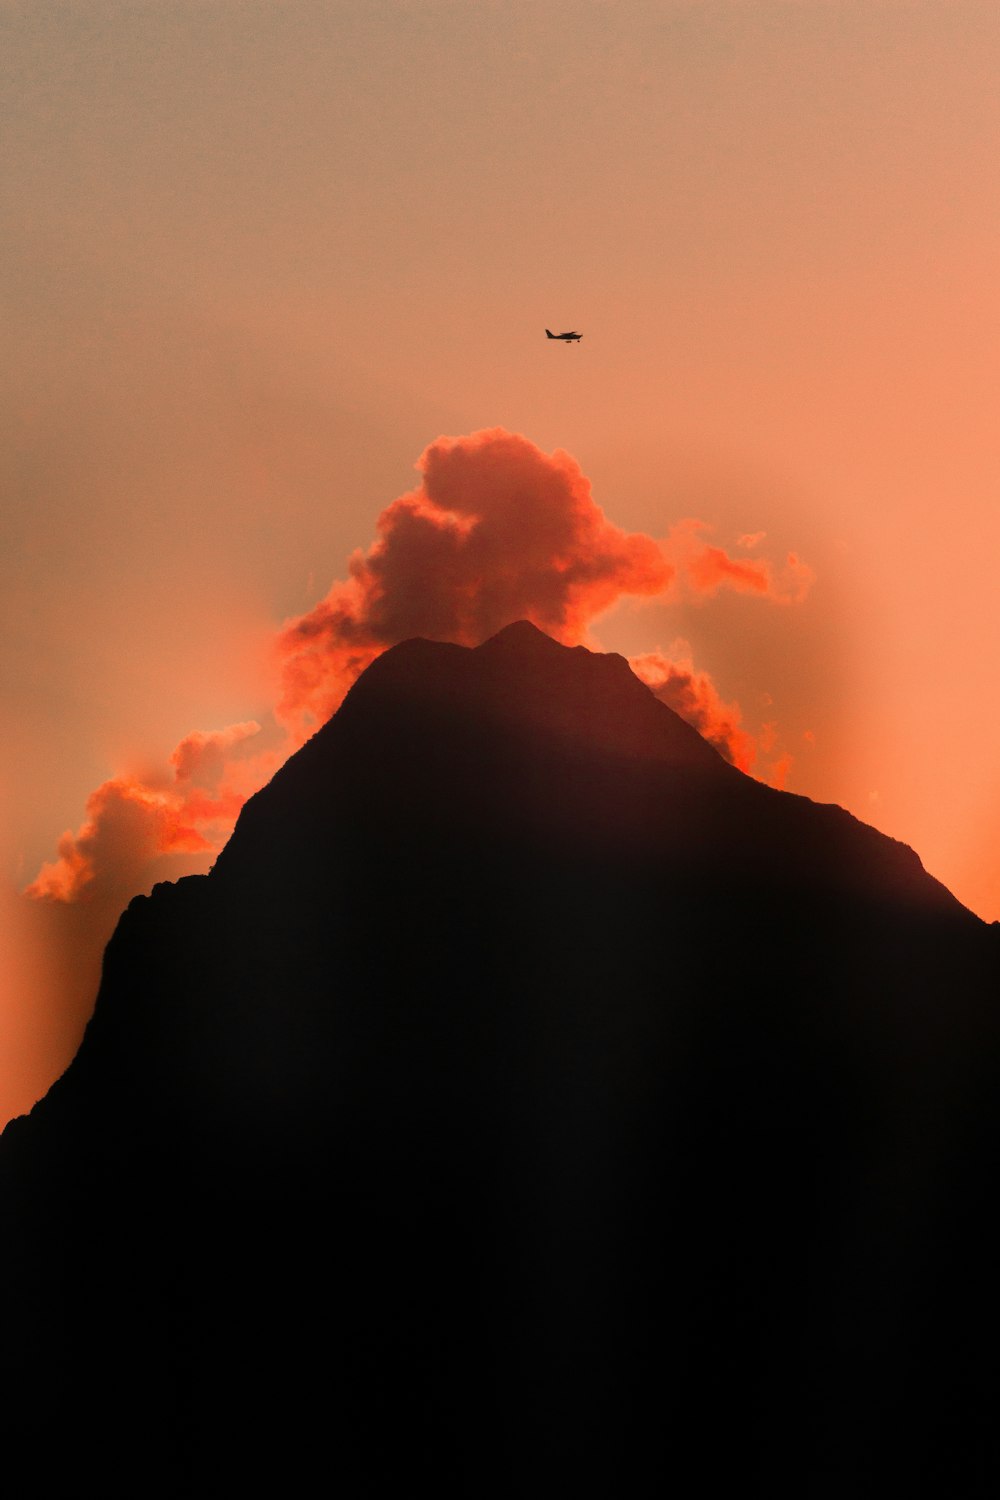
(567, 337)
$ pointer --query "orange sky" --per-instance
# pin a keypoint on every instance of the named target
(258, 256)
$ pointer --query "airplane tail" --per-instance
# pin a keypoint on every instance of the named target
(549, 334)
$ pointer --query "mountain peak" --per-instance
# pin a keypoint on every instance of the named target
(521, 681)
(524, 636)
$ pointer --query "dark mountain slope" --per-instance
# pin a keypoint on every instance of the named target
(526, 1101)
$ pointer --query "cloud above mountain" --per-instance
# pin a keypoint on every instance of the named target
(495, 531)
(694, 696)
(131, 820)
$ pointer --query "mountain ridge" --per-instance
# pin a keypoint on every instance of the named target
(434, 677)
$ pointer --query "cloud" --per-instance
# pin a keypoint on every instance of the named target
(130, 821)
(694, 696)
(495, 531)
(202, 752)
(703, 569)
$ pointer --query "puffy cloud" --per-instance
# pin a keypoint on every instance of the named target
(694, 696)
(495, 531)
(201, 751)
(131, 821)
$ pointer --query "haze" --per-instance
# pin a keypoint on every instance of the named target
(257, 257)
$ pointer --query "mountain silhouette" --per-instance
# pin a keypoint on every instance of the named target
(527, 1102)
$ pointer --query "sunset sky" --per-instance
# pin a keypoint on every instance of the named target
(258, 257)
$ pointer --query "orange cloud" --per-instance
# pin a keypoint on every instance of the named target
(130, 821)
(705, 569)
(496, 531)
(694, 696)
(201, 752)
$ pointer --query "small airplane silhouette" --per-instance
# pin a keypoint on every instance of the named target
(567, 337)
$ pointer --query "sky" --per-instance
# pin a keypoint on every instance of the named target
(260, 258)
